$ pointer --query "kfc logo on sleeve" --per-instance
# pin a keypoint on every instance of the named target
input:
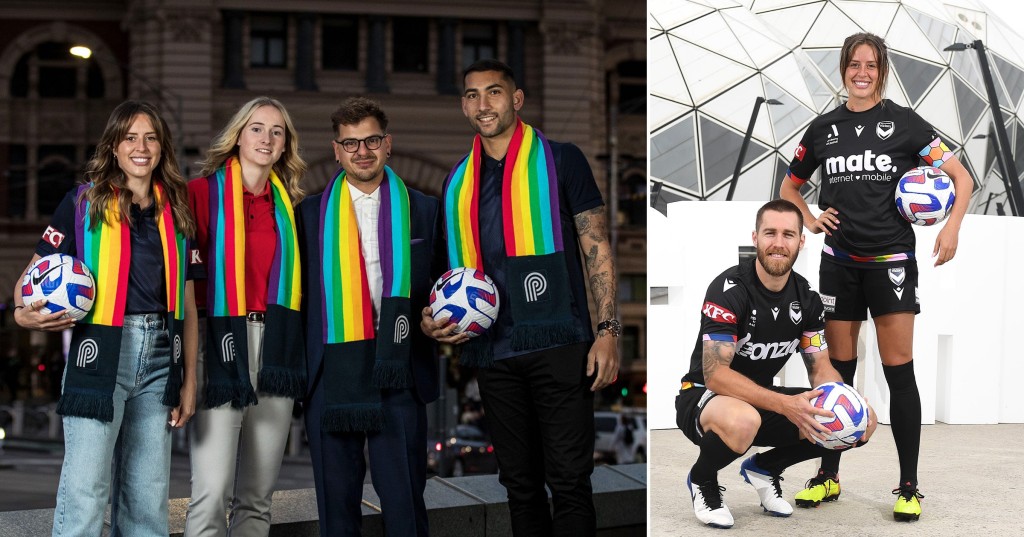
(197, 258)
(718, 313)
(53, 236)
(800, 151)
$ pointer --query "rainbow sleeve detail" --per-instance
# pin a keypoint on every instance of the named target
(813, 341)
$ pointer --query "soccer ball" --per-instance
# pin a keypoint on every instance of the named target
(466, 297)
(851, 412)
(64, 282)
(924, 196)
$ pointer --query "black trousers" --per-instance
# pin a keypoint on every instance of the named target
(540, 413)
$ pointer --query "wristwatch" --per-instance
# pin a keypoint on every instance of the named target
(613, 326)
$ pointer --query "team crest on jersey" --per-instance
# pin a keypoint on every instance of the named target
(884, 129)
(897, 276)
(795, 314)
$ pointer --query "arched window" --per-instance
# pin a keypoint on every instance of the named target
(49, 71)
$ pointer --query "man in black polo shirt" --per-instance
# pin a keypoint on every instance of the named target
(754, 317)
(538, 394)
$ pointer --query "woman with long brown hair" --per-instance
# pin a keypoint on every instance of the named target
(130, 372)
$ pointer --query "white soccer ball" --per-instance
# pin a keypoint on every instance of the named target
(64, 282)
(851, 412)
(925, 195)
(466, 297)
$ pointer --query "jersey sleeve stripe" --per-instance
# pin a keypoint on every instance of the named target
(720, 337)
(795, 179)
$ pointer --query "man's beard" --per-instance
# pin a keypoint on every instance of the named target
(776, 267)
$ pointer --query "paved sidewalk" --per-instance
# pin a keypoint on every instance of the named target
(972, 477)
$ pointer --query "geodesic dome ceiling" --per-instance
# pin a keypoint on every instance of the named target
(710, 61)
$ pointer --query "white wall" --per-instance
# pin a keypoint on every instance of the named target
(966, 368)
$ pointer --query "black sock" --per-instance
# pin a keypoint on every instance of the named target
(905, 415)
(847, 369)
(714, 455)
(776, 460)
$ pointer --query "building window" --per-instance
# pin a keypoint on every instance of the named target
(479, 42)
(17, 178)
(268, 39)
(632, 288)
(56, 72)
(633, 200)
(339, 43)
(56, 175)
(410, 39)
(632, 79)
(57, 82)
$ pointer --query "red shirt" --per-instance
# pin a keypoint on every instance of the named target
(260, 242)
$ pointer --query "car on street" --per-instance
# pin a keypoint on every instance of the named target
(465, 450)
(606, 423)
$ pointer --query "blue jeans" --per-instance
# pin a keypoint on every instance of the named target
(137, 443)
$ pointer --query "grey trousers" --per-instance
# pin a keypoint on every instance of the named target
(236, 456)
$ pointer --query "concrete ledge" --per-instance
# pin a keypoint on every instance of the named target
(460, 507)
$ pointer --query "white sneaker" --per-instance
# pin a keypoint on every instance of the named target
(708, 505)
(767, 487)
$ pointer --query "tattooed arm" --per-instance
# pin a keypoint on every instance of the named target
(720, 378)
(592, 227)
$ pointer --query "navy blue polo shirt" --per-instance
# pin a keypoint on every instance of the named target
(577, 192)
(146, 287)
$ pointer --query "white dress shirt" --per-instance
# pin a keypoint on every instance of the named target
(367, 207)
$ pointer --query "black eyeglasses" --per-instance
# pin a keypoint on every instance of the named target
(351, 145)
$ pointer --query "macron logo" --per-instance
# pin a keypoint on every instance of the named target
(729, 284)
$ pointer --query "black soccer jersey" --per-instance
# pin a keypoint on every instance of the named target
(862, 156)
(767, 327)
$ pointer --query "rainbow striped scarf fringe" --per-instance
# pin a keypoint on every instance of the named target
(532, 234)
(105, 247)
(281, 373)
(358, 359)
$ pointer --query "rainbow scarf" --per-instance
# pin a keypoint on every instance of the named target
(227, 363)
(105, 247)
(536, 276)
(359, 359)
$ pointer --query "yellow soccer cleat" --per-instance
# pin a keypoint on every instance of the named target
(823, 487)
(908, 505)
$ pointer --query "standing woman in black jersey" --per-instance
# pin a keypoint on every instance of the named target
(868, 261)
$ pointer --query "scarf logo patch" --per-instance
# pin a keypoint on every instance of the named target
(401, 328)
(535, 285)
(227, 348)
(795, 314)
(88, 351)
(177, 348)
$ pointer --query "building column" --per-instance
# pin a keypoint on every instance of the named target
(446, 58)
(233, 61)
(305, 76)
(376, 59)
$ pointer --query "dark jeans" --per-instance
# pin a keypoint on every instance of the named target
(540, 412)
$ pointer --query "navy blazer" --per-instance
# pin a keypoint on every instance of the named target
(427, 265)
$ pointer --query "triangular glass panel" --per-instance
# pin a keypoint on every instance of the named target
(939, 33)
(674, 155)
(720, 148)
(797, 20)
(915, 75)
(969, 105)
(789, 116)
(827, 61)
(1013, 78)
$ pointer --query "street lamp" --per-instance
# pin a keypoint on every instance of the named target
(1011, 180)
(746, 142)
(84, 52)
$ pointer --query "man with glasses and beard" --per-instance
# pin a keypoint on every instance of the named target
(754, 317)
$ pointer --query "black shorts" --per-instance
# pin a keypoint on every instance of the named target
(849, 292)
(776, 429)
